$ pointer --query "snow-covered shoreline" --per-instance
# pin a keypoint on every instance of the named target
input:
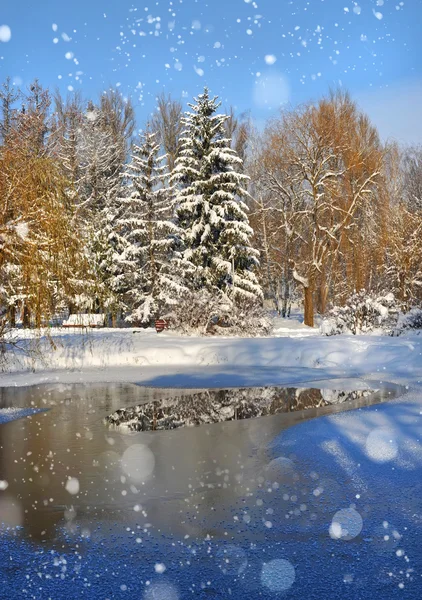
(124, 355)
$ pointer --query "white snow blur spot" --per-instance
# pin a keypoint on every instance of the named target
(161, 591)
(271, 91)
(377, 14)
(357, 9)
(278, 575)
(72, 486)
(22, 230)
(346, 524)
(381, 446)
(5, 33)
(159, 568)
(178, 66)
(270, 59)
(54, 27)
(69, 55)
(232, 560)
(198, 71)
(65, 37)
(196, 25)
(280, 469)
(3, 484)
(138, 462)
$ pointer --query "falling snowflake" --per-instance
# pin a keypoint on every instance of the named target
(5, 33)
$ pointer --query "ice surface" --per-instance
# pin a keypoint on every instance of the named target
(244, 506)
(13, 413)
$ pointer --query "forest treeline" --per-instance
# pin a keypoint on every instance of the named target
(200, 217)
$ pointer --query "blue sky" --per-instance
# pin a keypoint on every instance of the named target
(255, 55)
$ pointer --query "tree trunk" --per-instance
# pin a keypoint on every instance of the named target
(286, 290)
(323, 296)
(309, 306)
(26, 316)
(12, 316)
(38, 313)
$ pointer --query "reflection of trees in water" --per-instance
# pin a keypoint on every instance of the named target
(37, 454)
(215, 406)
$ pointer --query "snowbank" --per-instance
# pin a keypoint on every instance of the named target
(132, 355)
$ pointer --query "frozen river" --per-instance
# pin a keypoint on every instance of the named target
(214, 510)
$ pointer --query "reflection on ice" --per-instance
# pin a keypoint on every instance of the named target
(216, 406)
(10, 512)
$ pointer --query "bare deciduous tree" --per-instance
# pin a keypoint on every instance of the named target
(167, 124)
(322, 163)
(8, 96)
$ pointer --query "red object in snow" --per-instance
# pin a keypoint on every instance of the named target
(160, 325)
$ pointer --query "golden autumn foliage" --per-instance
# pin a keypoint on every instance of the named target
(322, 175)
(40, 259)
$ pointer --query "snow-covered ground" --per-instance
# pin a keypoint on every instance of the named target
(294, 354)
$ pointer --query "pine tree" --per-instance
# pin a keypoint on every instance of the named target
(210, 209)
(147, 232)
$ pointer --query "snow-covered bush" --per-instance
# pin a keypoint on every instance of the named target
(363, 312)
(409, 321)
(203, 313)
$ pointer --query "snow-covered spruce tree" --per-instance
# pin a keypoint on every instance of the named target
(145, 226)
(210, 212)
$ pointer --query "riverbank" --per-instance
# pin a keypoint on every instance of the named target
(166, 359)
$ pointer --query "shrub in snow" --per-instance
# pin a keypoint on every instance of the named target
(201, 312)
(363, 312)
(410, 321)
